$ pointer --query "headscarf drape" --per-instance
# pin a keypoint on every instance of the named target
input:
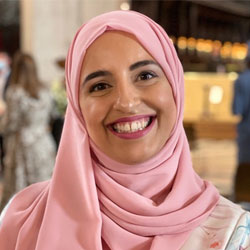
(93, 202)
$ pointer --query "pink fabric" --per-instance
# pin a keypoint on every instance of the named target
(93, 202)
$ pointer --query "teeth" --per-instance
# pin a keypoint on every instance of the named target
(127, 127)
(134, 126)
(130, 127)
(139, 125)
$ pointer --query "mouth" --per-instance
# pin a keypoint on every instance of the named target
(132, 127)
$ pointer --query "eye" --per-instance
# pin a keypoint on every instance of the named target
(99, 87)
(146, 75)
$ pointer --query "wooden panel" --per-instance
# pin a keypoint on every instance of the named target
(197, 104)
(215, 130)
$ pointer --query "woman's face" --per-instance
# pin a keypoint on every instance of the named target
(125, 99)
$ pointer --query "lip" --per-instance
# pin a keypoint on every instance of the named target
(133, 135)
(130, 119)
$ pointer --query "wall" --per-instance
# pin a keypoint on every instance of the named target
(197, 90)
(48, 26)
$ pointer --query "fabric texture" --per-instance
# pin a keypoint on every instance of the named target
(93, 202)
(226, 228)
(29, 146)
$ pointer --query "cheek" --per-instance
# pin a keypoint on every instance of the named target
(166, 107)
(163, 98)
(94, 114)
(167, 104)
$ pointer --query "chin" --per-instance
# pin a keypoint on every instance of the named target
(133, 158)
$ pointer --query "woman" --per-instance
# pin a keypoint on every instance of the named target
(4, 76)
(29, 147)
(123, 177)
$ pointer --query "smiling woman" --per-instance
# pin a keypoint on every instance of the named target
(123, 177)
(128, 105)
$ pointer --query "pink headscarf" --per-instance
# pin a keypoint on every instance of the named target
(93, 202)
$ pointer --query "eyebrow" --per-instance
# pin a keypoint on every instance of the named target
(107, 73)
(142, 63)
(96, 74)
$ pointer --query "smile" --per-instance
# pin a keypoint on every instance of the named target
(132, 127)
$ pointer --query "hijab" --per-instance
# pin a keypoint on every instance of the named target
(93, 202)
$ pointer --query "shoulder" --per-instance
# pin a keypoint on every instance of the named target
(16, 97)
(4, 210)
(227, 207)
(230, 225)
(26, 208)
(240, 238)
(226, 214)
(241, 235)
(14, 92)
(226, 228)
(24, 200)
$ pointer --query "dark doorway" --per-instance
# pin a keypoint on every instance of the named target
(9, 26)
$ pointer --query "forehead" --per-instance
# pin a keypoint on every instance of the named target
(115, 45)
(119, 38)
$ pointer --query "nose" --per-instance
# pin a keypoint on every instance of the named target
(127, 98)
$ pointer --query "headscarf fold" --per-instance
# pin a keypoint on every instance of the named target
(93, 202)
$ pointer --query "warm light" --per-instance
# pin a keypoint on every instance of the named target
(125, 6)
(235, 50)
(239, 51)
(215, 94)
(232, 76)
(244, 51)
(217, 44)
(182, 42)
(208, 46)
(200, 45)
(191, 43)
(226, 50)
(216, 47)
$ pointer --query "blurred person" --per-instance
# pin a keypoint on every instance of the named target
(123, 177)
(4, 76)
(241, 106)
(58, 89)
(29, 147)
(4, 73)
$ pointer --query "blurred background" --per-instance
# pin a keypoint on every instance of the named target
(211, 38)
